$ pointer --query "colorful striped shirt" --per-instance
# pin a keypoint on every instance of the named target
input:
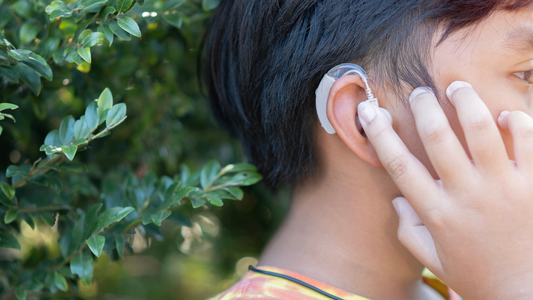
(258, 286)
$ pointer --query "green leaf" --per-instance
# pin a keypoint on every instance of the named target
(11, 215)
(58, 9)
(8, 190)
(53, 139)
(107, 11)
(60, 282)
(92, 40)
(182, 193)
(78, 142)
(171, 190)
(4, 106)
(82, 266)
(13, 170)
(91, 115)
(215, 200)
(123, 5)
(197, 202)
(115, 115)
(185, 173)
(96, 244)
(81, 129)
(173, 19)
(59, 56)
(5, 16)
(85, 53)
(110, 216)
(120, 242)
(88, 4)
(242, 167)
(105, 102)
(157, 218)
(22, 8)
(107, 32)
(245, 178)
(83, 35)
(90, 219)
(50, 46)
(55, 5)
(3, 54)
(64, 243)
(28, 32)
(75, 57)
(3, 115)
(77, 235)
(208, 5)
(172, 4)
(20, 54)
(8, 241)
(38, 64)
(235, 191)
(66, 130)
(209, 172)
(48, 218)
(1, 129)
(118, 31)
(29, 77)
(35, 285)
(129, 25)
(9, 74)
(60, 14)
(20, 292)
(70, 151)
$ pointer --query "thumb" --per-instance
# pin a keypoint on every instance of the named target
(414, 236)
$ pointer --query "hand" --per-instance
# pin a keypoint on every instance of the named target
(473, 228)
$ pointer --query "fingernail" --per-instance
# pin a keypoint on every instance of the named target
(503, 114)
(367, 112)
(454, 86)
(418, 91)
(501, 119)
(396, 207)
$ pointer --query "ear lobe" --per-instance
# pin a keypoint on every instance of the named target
(344, 97)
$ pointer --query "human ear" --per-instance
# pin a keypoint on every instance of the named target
(344, 97)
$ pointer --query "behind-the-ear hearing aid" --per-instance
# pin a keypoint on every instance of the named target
(322, 92)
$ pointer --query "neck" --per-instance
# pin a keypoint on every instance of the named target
(342, 231)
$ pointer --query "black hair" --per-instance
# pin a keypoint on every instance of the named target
(264, 59)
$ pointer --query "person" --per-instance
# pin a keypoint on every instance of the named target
(447, 151)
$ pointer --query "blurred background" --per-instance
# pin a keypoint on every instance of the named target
(169, 123)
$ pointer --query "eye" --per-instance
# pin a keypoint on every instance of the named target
(526, 76)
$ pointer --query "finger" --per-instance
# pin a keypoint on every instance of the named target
(411, 177)
(442, 145)
(415, 236)
(482, 136)
(520, 125)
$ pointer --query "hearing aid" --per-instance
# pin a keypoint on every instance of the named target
(322, 92)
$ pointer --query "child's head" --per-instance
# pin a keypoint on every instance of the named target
(264, 60)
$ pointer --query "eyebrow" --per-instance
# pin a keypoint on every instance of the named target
(519, 40)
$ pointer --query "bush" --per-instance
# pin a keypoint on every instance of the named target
(109, 121)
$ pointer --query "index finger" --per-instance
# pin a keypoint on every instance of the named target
(412, 178)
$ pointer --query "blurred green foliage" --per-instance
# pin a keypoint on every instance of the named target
(111, 178)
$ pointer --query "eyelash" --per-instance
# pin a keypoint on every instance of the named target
(524, 75)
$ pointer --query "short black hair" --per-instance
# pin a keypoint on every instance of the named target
(263, 60)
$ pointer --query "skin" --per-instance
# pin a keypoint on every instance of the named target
(342, 228)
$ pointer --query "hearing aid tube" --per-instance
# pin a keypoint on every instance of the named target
(322, 92)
